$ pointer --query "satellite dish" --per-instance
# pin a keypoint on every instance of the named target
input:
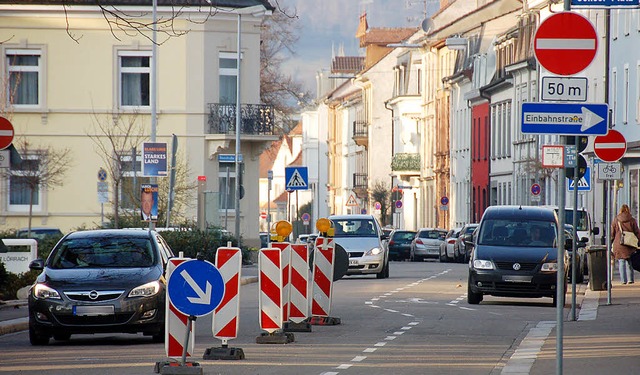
(427, 25)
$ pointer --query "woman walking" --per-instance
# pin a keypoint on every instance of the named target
(624, 222)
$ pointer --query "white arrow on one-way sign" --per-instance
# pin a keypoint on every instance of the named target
(204, 297)
(565, 118)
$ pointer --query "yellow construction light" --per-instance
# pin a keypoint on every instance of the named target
(324, 225)
(282, 230)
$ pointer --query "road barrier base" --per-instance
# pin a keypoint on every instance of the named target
(176, 368)
(223, 353)
(304, 326)
(324, 321)
(275, 338)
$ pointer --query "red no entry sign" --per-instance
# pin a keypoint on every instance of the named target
(6, 133)
(565, 43)
(610, 147)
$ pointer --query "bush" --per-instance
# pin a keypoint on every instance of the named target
(10, 283)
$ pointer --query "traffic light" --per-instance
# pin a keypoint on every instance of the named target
(581, 161)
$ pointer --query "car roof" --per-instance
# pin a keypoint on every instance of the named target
(519, 212)
(438, 229)
(111, 233)
(355, 216)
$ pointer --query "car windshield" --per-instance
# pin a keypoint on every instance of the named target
(582, 218)
(433, 234)
(517, 233)
(470, 229)
(104, 252)
(354, 228)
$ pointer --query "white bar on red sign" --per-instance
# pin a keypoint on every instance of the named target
(176, 322)
(285, 248)
(225, 316)
(298, 283)
(270, 285)
(323, 259)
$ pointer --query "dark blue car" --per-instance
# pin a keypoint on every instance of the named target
(400, 244)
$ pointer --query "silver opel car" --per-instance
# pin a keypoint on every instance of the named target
(361, 236)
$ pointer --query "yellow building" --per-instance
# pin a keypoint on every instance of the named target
(74, 77)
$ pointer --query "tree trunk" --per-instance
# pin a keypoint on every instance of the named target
(31, 192)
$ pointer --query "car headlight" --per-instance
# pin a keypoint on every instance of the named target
(42, 291)
(145, 290)
(550, 267)
(374, 251)
(483, 264)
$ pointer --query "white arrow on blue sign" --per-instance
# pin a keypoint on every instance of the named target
(565, 118)
(195, 287)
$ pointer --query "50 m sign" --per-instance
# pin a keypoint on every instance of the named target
(570, 89)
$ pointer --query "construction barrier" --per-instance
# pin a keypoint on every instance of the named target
(323, 258)
(270, 285)
(285, 249)
(225, 316)
(299, 283)
(176, 322)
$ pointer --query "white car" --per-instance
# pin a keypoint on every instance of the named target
(362, 238)
(427, 244)
(447, 248)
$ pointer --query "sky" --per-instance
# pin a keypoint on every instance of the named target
(330, 24)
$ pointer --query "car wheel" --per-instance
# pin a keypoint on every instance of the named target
(37, 338)
(386, 271)
(380, 275)
(443, 256)
(61, 336)
(473, 298)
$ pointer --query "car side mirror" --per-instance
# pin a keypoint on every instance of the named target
(36, 264)
(595, 231)
(467, 239)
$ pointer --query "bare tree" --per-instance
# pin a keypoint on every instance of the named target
(41, 168)
(115, 137)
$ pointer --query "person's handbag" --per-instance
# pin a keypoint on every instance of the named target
(628, 238)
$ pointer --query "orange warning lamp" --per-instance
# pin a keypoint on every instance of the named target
(324, 225)
(282, 228)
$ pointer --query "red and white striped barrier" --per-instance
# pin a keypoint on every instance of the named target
(285, 248)
(176, 322)
(323, 258)
(299, 283)
(225, 316)
(270, 285)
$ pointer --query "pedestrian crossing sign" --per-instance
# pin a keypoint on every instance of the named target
(584, 183)
(297, 178)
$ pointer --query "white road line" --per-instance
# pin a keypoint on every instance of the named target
(359, 358)
(406, 328)
(391, 311)
(380, 344)
(369, 350)
(398, 333)
(330, 373)
(389, 338)
(408, 315)
(525, 355)
(414, 323)
(344, 366)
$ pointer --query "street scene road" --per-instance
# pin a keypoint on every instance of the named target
(415, 322)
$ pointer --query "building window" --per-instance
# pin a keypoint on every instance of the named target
(23, 70)
(228, 75)
(135, 78)
(21, 181)
(227, 186)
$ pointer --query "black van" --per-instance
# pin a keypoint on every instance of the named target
(515, 254)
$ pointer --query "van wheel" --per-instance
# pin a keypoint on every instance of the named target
(37, 338)
(473, 298)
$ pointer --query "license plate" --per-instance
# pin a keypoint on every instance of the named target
(93, 310)
(353, 262)
(516, 279)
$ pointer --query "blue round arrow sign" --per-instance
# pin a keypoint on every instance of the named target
(195, 287)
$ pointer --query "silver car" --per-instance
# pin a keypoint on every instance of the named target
(361, 236)
(427, 243)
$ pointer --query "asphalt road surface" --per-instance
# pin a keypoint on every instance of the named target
(415, 322)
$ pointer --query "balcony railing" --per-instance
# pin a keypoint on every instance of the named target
(360, 129)
(256, 119)
(405, 162)
(360, 181)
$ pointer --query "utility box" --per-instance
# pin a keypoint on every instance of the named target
(597, 261)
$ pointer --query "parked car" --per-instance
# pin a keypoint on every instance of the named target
(447, 247)
(581, 256)
(462, 248)
(100, 281)
(426, 244)
(361, 237)
(399, 244)
(38, 232)
(515, 254)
